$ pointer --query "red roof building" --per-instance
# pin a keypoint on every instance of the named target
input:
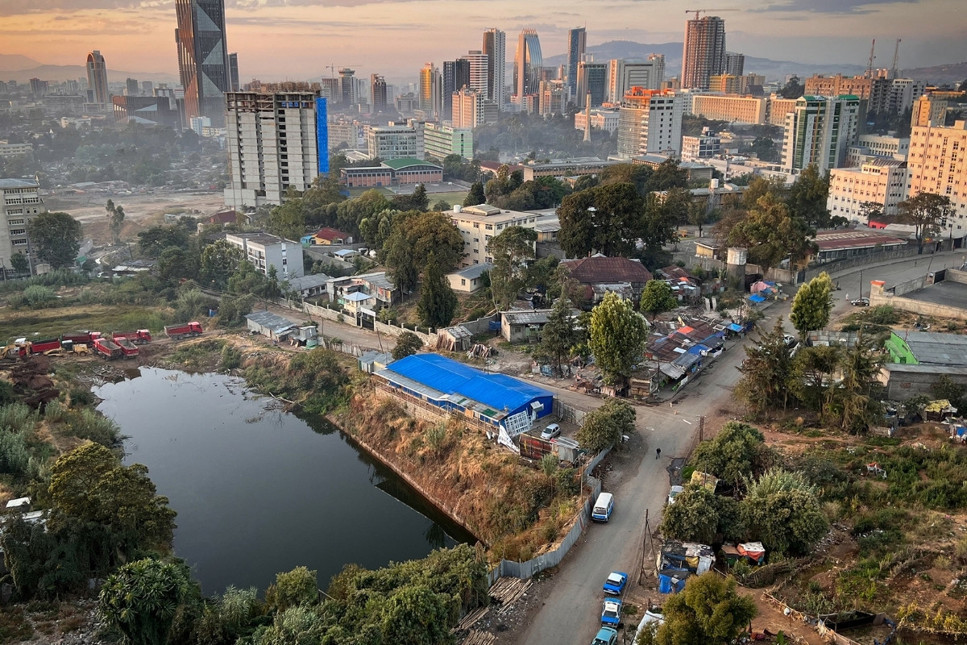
(328, 236)
(598, 270)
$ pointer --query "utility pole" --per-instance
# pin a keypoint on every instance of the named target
(701, 428)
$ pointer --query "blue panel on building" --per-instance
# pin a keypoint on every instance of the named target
(322, 135)
(500, 392)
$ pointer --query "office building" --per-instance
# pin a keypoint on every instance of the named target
(706, 145)
(649, 121)
(456, 76)
(233, 82)
(928, 110)
(777, 108)
(553, 98)
(478, 74)
(820, 131)
(592, 79)
(937, 163)
(737, 109)
(275, 141)
(469, 109)
(479, 224)
(153, 109)
(267, 252)
(725, 84)
(377, 91)
(97, 78)
(20, 202)
(903, 93)
(202, 58)
(576, 42)
(605, 119)
(347, 87)
(625, 74)
(395, 142)
(495, 49)
(528, 65)
(704, 53)
(876, 91)
(147, 88)
(439, 141)
(734, 64)
(132, 87)
(879, 182)
(869, 146)
(431, 92)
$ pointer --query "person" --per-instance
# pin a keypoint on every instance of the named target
(657, 453)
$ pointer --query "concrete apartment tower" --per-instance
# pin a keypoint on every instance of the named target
(820, 131)
(937, 163)
(528, 64)
(704, 52)
(203, 58)
(97, 77)
(650, 121)
(576, 45)
(495, 48)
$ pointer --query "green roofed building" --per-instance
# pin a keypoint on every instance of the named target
(393, 172)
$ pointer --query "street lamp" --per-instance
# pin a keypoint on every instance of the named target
(591, 211)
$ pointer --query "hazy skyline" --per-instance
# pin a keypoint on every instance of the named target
(299, 39)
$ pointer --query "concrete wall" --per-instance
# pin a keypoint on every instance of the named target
(906, 381)
(879, 296)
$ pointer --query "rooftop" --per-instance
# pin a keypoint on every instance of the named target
(946, 292)
(474, 271)
(407, 162)
(854, 239)
(265, 239)
(276, 323)
(17, 183)
(327, 233)
(603, 269)
(533, 317)
(937, 348)
(308, 281)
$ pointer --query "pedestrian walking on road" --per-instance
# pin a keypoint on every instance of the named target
(657, 453)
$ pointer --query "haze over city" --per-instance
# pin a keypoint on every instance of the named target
(298, 39)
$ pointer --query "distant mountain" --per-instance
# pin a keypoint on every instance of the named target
(953, 73)
(69, 72)
(16, 62)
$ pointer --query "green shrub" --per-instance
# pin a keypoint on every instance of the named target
(17, 418)
(231, 357)
(883, 315)
(88, 424)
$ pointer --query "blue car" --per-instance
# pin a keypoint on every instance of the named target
(606, 636)
(611, 614)
(615, 584)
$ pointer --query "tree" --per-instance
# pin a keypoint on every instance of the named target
(660, 218)
(293, 588)
(218, 262)
(927, 212)
(812, 305)
(853, 403)
(604, 219)
(603, 427)
(416, 240)
(782, 511)
(559, 334)
(708, 612)
(736, 451)
(766, 372)
(813, 368)
(617, 337)
(771, 233)
(807, 196)
(56, 238)
(476, 195)
(511, 249)
(143, 600)
(699, 214)
(415, 201)
(19, 262)
(657, 297)
(415, 615)
(288, 219)
(407, 344)
(153, 241)
(793, 88)
(437, 302)
(441, 206)
(694, 517)
(115, 213)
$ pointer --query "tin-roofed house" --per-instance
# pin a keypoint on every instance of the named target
(523, 326)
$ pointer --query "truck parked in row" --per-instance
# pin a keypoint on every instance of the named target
(81, 337)
(138, 337)
(32, 347)
(183, 330)
(128, 349)
(107, 349)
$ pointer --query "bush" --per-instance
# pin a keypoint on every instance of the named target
(88, 424)
(883, 315)
(231, 357)
(38, 297)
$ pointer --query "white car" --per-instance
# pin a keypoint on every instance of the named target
(674, 492)
(551, 431)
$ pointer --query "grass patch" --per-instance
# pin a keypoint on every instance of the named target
(14, 626)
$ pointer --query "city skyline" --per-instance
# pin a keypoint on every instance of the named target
(290, 39)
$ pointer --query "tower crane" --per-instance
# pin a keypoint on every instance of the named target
(896, 60)
(869, 66)
(698, 11)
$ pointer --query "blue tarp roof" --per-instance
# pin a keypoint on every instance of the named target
(756, 298)
(448, 376)
(735, 327)
(697, 349)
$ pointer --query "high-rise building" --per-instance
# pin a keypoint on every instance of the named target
(495, 49)
(395, 142)
(439, 141)
(456, 76)
(649, 121)
(132, 87)
(820, 131)
(576, 41)
(467, 108)
(625, 74)
(479, 63)
(937, 163)
(20, 202)
(592, 79)
(202, 58)
(273, 143)
(725, 84)
(734, 64)
(879, 180)
(347, 87)
(704, 52)
(553, 98)
(38, 88)
(928, 110)
(377, 90)
(528, 64)
(147, 88)
(97, 77)
(431, 92)
(233, 82)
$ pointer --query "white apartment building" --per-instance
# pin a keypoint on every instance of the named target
(819, 132)
(880, 181)
(701, 147)
(470, 109)
(728, 107)
(877, 145)
(266, 251)
(937, 163)
(928, 110)
(903, 93)
(479, 224)
(479, 63)
(442, 140)
(605, 119)
(20, 202)
(271, 144)
(15, 149)
(650, 121)
(395, 142)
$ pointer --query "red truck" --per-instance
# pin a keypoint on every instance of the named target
(182, 330)
(81, 337)
(39, 346)
(139, 337)
(107, 348)
(128, 349)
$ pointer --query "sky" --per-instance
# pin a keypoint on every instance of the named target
(301, 39)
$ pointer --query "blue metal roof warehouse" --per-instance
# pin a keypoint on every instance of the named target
(454, 386)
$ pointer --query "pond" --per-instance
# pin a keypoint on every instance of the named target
(258, 490)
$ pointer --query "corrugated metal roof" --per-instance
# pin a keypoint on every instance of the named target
(536, 317)
(937, 348)
(271, 321)
(450, 377)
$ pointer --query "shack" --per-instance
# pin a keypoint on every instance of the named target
(270, 325)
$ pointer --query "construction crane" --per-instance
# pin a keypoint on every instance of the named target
(869, 66)
(698, 11)
(894, 71)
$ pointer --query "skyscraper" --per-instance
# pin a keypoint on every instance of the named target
(456, 76)
(734, 64)
(97, 77)
(704, 52)
(479, 67)
(625, 74)
(650, 121)
(377, 89)
(233, 83)
(202, 58)
(347, 86)
(132, 87)
(576, 39)
(592, 79)
(495, 48)
(820, 131)
(528, 64)
(431, 89)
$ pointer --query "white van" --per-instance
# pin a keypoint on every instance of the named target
(603, 507)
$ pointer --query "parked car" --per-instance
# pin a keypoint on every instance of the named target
(674, 492)
(606, 636)
(611, 612)
(615, 584)
(551, 431)
(860, 302)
